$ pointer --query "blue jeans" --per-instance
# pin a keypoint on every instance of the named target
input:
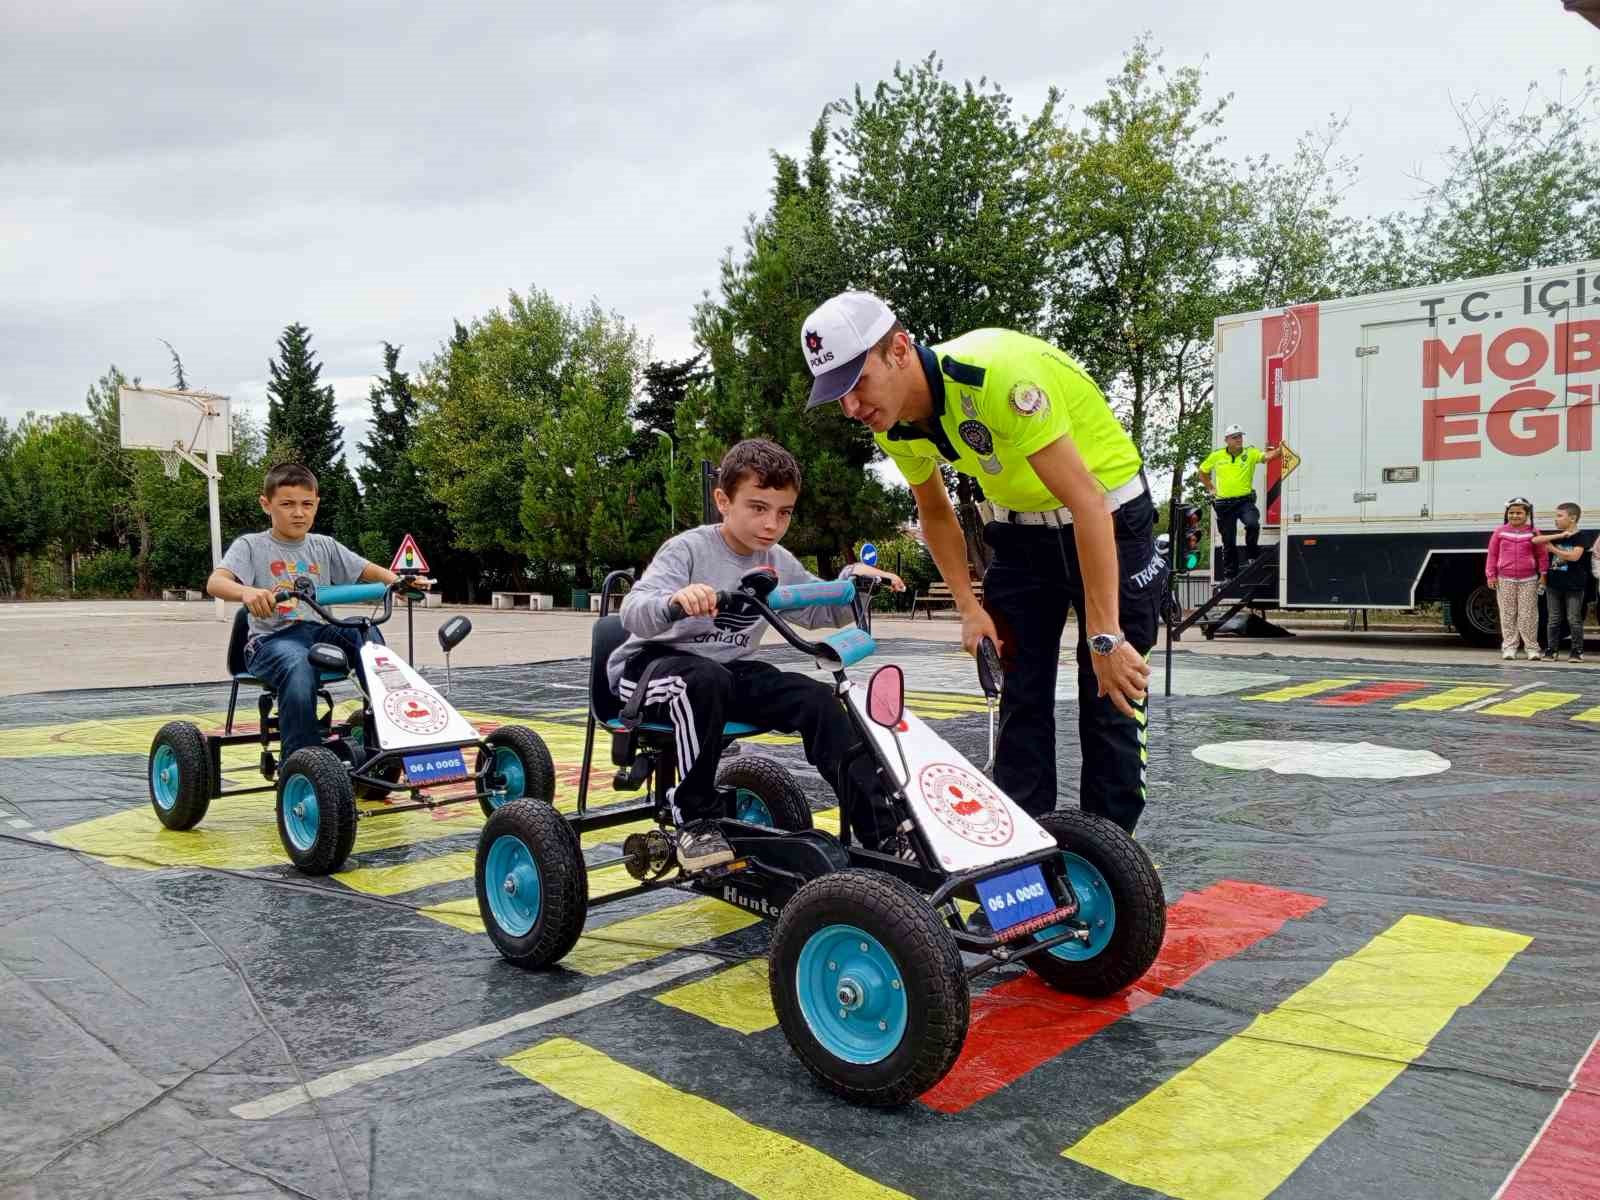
(280, 662)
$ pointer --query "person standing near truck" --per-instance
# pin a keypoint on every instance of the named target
(1515, 569)
(1229, 474)
(1567, 583)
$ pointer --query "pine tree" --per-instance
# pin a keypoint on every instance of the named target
(303, 423)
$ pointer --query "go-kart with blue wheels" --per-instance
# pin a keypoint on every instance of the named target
(404, 746)
(866, 971)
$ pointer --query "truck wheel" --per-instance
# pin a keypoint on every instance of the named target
(316, 810)
(1120, 906)
(868, 986)
(764, 793)
(180, 775)
(523, 761)
(1475, 613)
(533, 886)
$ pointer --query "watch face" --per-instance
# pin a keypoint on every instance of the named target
(1102, 643)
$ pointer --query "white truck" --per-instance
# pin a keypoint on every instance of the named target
(1416, 414)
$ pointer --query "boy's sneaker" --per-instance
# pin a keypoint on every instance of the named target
(1574, 657)
(700, 845)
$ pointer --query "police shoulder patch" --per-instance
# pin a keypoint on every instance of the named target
(977, 435)
(1029, 399)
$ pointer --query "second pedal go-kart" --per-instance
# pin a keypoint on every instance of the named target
(866, 972)
(403, 747)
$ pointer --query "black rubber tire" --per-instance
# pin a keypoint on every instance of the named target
(924, 950)
(1141, 909)
(784, 798)
(1475, 613)
(336, 810)
(538, 768)
(192, 759)
(563, 882)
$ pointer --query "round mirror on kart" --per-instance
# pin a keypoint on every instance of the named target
(886, 696)
(453, 632)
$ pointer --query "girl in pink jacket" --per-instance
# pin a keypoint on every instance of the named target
(1516, 569)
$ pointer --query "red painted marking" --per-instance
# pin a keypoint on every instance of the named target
(1023, 1024)
(1366, 695)
(1563, 1162)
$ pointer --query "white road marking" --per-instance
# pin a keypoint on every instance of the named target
(1497, 698)
(403, 1060)
(19, 823)
(1325, 760)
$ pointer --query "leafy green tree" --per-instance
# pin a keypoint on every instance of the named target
(792, 260)
(57, 487)
(303, 425)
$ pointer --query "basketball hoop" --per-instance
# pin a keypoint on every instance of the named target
(169, 462)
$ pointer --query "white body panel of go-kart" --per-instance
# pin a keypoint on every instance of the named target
(406, 710)
(969, 822)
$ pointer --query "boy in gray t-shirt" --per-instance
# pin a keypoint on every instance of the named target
(257, 566)
(700, 669)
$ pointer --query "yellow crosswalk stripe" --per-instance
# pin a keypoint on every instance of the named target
(759, 1161)
(737, 998)
(1452, 697)
(1299, 691)
(1530, 704)
(408, 877)
(1236, 1123)
(1591, 715)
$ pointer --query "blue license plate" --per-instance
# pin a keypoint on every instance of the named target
(1015, 897)
(435, 766)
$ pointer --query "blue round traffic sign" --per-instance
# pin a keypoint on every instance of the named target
(869, 554)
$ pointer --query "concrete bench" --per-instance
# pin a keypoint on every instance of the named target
(532, 601)
(939, 593)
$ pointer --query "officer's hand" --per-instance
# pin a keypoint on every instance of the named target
(258, 600)
(1123, 676)
(975, 626)
(696, 600)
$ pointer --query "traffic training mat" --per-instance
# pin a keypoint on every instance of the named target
(1379, 976)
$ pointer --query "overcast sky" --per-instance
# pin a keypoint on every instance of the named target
(209, 172)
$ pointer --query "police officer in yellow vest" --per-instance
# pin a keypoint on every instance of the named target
(1233, 490)
(1067, 512)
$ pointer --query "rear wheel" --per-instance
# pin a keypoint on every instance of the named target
(1122, 915)
(316, 810)
(522, 767)
(764, 793)
(532, 883)
(180, 775)
(868, 986)
(1475, 613)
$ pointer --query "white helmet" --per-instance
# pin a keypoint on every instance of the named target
(1233, 431)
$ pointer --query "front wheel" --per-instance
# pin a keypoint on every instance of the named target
(1122, 915)
(522, 767)
(868, 986)
(180, 775)
(316, 810)
(764, 793)
(532, 883)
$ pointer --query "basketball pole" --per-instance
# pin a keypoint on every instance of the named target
(216, 517)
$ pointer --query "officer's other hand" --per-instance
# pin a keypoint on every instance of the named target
(696, 600)
(1124, 677)
(975, 626)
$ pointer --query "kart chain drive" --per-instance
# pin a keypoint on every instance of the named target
(647, 855)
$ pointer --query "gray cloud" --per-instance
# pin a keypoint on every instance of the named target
(209, 172)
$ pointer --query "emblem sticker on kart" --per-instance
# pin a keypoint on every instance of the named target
(414, 711)
(965, 804)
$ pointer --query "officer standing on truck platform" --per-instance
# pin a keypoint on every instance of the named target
(1067, 511)
(1234, 494)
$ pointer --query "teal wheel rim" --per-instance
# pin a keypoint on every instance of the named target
(508, 766)
(1097, 912)
(752, 809)
(301, 815)
(165, 777)
(511, 883)
(851, 994)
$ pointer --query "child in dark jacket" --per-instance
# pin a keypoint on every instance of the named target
(1516, 569)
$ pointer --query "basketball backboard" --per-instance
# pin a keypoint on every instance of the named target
(161, 419)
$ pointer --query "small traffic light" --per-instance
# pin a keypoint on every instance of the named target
(1190, 532)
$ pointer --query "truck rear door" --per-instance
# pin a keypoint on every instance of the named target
(1396, 483)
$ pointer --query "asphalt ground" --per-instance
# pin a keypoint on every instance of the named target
(1371, 985)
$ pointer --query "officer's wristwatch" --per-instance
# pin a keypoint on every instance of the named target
(1104, 643)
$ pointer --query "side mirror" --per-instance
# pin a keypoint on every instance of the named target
(453, 632)
(327, 657)
(886, 696)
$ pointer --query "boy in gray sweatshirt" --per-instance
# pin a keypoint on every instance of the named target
(705, 669)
